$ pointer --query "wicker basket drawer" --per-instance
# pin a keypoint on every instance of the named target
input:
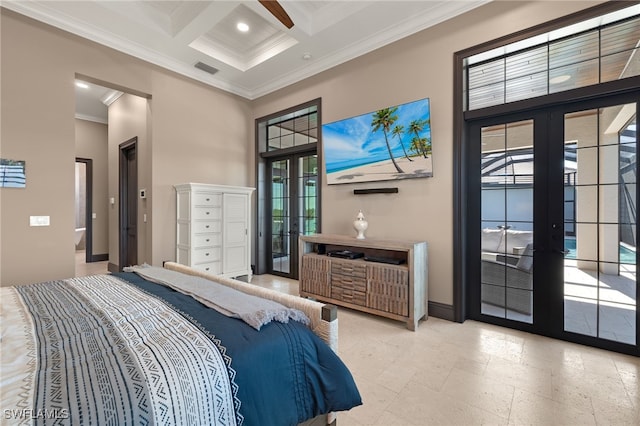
(349, 267)
(349, 282)
(388, 289)
(316, 263)
(348, 295)
(314, 275)
(315, 282)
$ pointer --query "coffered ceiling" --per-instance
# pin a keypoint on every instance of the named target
(200, 39)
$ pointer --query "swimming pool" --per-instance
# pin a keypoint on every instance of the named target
(627, 255)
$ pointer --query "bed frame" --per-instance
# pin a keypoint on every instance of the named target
(323, 317)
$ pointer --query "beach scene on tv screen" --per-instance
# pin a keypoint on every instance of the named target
(387, 144)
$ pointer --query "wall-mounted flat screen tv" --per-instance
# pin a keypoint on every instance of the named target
(388, 144)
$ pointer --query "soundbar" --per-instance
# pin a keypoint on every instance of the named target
(375, 191)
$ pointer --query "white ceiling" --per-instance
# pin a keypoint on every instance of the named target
(178, 34)
(92, 101)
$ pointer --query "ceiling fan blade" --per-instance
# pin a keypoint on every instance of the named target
(278, 11)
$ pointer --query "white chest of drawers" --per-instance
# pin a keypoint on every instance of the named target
(213, 231)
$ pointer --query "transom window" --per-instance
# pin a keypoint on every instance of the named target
(293, 129)
(595, 51)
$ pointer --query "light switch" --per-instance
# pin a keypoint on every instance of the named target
(38, 220)
(93, 216)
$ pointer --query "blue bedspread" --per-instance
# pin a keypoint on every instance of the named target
(284, 373)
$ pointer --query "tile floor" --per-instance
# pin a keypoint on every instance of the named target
(474, 373)
(596, 303)
(84, 269)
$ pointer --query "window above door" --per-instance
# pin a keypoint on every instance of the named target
(592, 51)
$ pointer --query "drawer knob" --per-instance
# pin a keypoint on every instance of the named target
(206, 254)
(207, 226)
(208, 199)
(207, 240)
(207, 213)
(206, 269)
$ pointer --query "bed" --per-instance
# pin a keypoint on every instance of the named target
(144, 347)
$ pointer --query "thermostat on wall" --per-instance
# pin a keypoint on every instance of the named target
(143, 193)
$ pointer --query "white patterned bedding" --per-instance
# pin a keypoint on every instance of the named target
(117, 330)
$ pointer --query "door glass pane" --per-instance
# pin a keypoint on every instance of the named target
(307, 196)
(507, 221)
(280, 215)
(600, 234)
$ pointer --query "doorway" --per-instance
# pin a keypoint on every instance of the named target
(287, 186)
(83, 208)
(128, 183)
(553, 200)
(293, 207)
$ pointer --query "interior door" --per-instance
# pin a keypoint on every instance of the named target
(554, 203)
(294, 208)
(128, 203)
(84, 203)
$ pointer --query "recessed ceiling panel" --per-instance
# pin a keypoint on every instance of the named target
(243, 50)
(225, 32)
(172, 16)
(166, 7)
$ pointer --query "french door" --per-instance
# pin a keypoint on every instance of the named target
(553, 206)
(293, 208)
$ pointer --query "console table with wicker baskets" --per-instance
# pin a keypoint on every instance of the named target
(389, 279)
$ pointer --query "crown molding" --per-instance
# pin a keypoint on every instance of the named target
(409, 26)
(40, 11)
(111, 97)
(91, 118)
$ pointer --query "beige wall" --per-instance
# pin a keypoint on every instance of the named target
(204, 138)
(420, 66)
(128, 119)
(198, 134)
(91, 142)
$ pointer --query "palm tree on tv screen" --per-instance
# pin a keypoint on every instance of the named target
(384, 119)
(418, 144)
(397, 131)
